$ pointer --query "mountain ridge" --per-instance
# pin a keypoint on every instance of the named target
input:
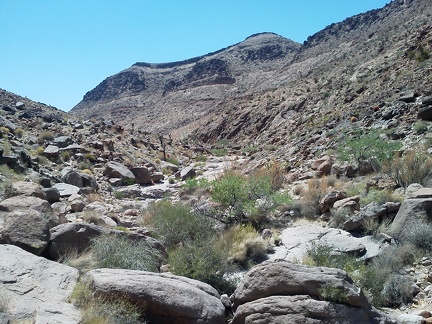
(256, 81)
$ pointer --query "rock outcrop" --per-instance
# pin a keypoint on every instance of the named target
(37, 289)
(165, 298)
(284, 292)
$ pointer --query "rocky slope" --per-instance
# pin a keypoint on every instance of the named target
(261, 89)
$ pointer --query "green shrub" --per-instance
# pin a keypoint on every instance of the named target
(84, 261)
(201, 158)
(377, 196)
(333, 294)
(219, 152)
(367, 145)
(378, 279)
(128, 181)
(19, 132)
(413, 167)
(420, 127)
(173, 160)
(119, 195)
(205, 261)
(247, 199)
(176, 224)
(119, 252)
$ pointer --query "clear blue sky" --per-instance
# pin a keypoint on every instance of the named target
(54, 51)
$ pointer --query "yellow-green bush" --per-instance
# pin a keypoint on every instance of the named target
(244, 245)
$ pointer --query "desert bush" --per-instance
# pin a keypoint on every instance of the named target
(339, 216)
(4, 299)
(175, 223)
(103, 310)
(47, 136)
(377, 196)
(219, 152)
(311, 197)
(201, 158)
(413, 167)
(420, 127)
(419, 233)
(247, 199)
(19, 132)
(244, 245)
(119, 252)
(333, 294)
(119, 195)
(378, 279)
(7, 148)
(369, 145)
(128, 181)
(205, 261)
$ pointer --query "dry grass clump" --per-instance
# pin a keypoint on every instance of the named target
(412, 167)
(103, 310)
(245, 246)
(312, 195)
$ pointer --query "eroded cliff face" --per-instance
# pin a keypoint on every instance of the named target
(267, 86)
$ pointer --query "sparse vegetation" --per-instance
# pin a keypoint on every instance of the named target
(103, 310)
(125, 253)
(175, 224)
(47, 136)
(368, 145)
(247, 199)
(412, 167)
(381, 284)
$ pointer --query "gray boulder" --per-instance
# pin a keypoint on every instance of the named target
(51, 151)
(187, 173)
(142, 175)
(72, 177)
(118, 170)
(164, 297)
(283, 278)
(411, 211)
(298, 309)
(371, 211)
(38, 289)
(22, 188)
(63, 141)
(297, 240)
(25, 222)
(77, 237)
(66, 190)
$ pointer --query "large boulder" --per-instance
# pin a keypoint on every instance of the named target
(142, 175)
(22, 188)
(77, 237)
(298, 309)
(72, 177)
(118, 170)
(284, 292)
(25, 221)
(284, 278)
(297, 240)
(417, 206)
(38, 289)
(165, 298)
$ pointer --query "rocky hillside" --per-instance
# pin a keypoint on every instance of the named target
(177, 94)
(257, 90)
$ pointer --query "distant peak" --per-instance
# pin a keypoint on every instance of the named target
(263, 33)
